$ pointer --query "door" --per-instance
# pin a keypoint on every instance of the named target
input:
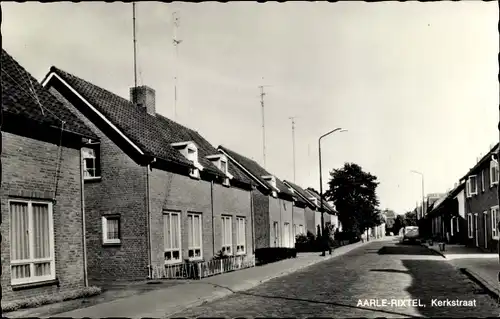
(476, 235)
(275, 234)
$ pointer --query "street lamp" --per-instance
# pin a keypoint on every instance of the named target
(321, 183)
(422, 176)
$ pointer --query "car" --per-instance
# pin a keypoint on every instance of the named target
(409, 233)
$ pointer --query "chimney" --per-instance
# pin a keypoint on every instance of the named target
(144, 96)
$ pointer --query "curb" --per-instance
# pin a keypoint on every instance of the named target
(435, 251)
(246, 286)
(492, 291)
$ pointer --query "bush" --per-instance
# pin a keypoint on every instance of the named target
(269, 255)
(38, 301)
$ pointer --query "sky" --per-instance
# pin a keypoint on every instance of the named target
(415, 84)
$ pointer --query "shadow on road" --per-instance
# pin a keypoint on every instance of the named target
(402, 249)
(436, 280)
(391, 270)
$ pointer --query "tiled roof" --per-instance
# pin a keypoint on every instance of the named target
(152, 134)
(18, 99)
(302, 192)
(437, 204)
(256, 170)
(494, 150)
(325, 203)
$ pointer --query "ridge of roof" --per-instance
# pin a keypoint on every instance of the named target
(493, 150)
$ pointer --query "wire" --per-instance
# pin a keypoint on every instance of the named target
(30, 86)
(56, 177)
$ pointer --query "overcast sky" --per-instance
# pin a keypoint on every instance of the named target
(414, 83)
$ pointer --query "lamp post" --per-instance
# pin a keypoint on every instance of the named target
(422, 176)
(321, 182)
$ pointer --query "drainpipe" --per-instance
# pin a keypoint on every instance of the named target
(252, 212)
(85, 274)
(212, 204)
(292, 226)
(148, 206)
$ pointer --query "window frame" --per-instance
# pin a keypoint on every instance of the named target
(96, 149)
(172, 250)
(225, 219)
(104, 221)
(286, 229)
(241, 221)
(31, 261)
(482, 181)
(470, 228)
(200, 229)
(494, 221)
(494, 168)
(301, 229)
(473, 177)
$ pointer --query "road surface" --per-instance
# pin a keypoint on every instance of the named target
(381, 279)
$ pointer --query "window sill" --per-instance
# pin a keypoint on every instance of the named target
(173, 262)
(495, 237)
(53, 282)
(195, 259)
(92, 179)
(111, 244)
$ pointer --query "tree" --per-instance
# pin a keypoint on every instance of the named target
(411, 218)
(354, 194)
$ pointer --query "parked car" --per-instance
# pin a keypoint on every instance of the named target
(409, 233)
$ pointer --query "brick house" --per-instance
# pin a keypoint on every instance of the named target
(329, 215)
(273, 204)
(157, 193)
(43, 250)
(481, 202)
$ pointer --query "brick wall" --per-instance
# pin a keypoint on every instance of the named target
(28, 169)
(183, 194)
(299, 217)
(234, 202)
(480, 203)
(262, 220)
(275, 216)
(121, 190)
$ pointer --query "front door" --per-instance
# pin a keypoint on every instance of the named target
(476, 230)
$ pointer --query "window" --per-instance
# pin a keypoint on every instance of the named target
(286, 235)
(223, 166)
(31, 242)
(194, 236)
(192, 154)
(493, 173)
(301, 229)
(240, 235)
(111, 229)
(295, 230)
(172, 237)
(276, 234)
(494, 222)
(91, 169)
(472, 185)
(482, 180)
(227, 235)
(470, 227)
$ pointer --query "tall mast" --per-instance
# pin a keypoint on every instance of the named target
(176, 42)
(135, 46)
(293, 144)
(263, 124)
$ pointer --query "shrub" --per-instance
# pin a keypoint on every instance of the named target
(38, 301)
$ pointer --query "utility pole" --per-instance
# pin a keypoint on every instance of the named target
(293, 144)
(263, 122)
(135, 46)
(176, 42)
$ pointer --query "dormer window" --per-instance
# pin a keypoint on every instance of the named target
(190, 152)
(314, 200)
(220, 160)
(271, 180)
(223, 166)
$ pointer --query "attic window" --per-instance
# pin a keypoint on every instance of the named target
(223, 166)
(271, 180)
(220, 161)
(190, 152)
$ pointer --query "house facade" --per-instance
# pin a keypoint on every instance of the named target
(312, 217)
(273, 204)
(157, 193)
(481, 202)
(43, 247)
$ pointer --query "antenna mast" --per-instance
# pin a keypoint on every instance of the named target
(176, 43)
(263, 123)
(293, 143)
(135, 49)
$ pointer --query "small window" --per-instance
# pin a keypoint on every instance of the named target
(473, 185)
(192, 154)
(172, 237)
(227, 235)
(494, 173)
(91, 162)
(276, 234)
(286, 235)
(482, 180)
(194, 236)
(240, 236)
(494, 222)
(111, 229)
(301, 229)
(223, 166)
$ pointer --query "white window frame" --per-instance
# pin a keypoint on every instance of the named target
(276, 234)
(301, 229)
(32, 261)
(241, 240)
(494, 173)
(286, 234)
(472, 177)
(494, 222)
(200, 229)
(470, 228)
(92, 150)
(227, 247)
(105, 239)
(185, 148)
(179, 237)
(482, 180)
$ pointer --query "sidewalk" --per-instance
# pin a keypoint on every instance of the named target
(166, 302)
(482, 267)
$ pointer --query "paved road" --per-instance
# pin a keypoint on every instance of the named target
(342, 287)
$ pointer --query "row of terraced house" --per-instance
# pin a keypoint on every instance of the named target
(469, 214)
(96, 187)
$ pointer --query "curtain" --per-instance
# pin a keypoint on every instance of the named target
(19, 238)
(167, 239)
(41, 239)
(174, 223)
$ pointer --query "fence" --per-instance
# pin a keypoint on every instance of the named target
(198, 270)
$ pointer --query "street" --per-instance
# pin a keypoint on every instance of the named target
(381, 279)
